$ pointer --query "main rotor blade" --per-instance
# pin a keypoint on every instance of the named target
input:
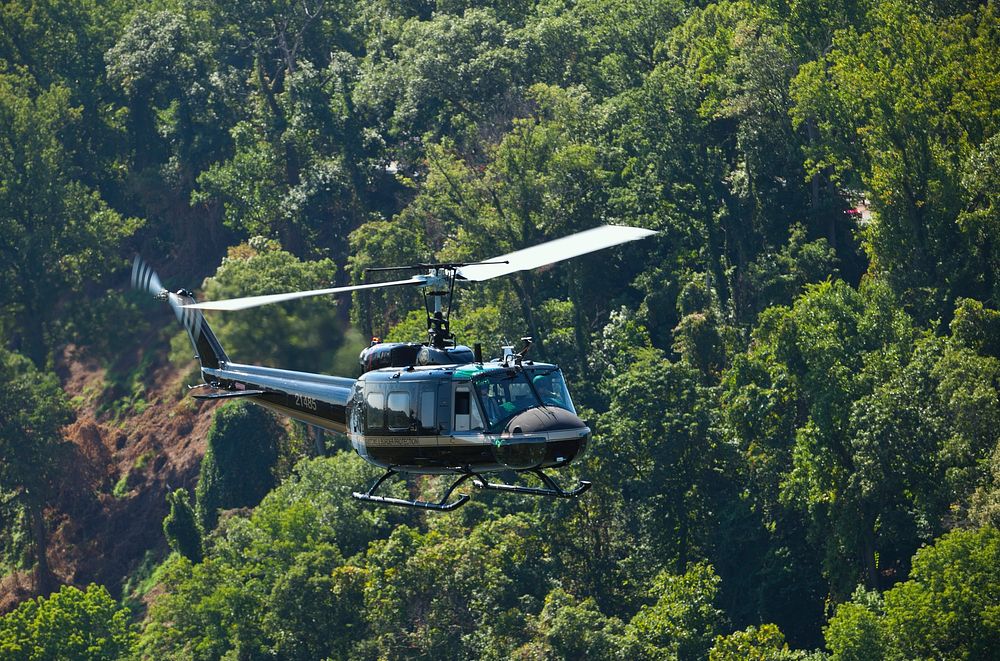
(551, 252)
(255, 301)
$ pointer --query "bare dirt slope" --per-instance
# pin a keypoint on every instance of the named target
(121, 464)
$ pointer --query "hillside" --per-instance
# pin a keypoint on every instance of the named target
(793, 381)
(110, 504)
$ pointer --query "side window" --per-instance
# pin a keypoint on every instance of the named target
(397, 410)
(462, 398)
(467, 415)
(462, 402)
(428, 404)
(356, 411)
(375, 410)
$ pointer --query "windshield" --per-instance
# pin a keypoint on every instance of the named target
(505, 393)
(551, 387)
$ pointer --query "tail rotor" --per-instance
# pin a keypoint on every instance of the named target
(144, 278)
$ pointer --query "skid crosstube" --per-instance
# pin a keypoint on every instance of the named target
(551, 489)
(441, 506)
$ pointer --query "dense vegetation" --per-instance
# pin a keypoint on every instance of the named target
(795, 385)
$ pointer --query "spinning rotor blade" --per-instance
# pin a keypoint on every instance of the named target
(551, 252)
(254, 301)
(144, 278)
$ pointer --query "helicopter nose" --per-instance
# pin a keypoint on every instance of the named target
(544, 419)
(542, 437)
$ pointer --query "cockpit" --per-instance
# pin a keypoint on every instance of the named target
(427, 402)
(502, 394)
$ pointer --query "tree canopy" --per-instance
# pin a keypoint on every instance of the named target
(793, 387)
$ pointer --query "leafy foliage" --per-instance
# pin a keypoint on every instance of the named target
(69, 624)
(946, 609)
(33, 408)
(239, 463)
(181, 528)
(299, 335)
(794, 386)
(64, 232)
(682, 622)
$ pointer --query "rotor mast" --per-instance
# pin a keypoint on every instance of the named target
(438, 315)
(438, 288)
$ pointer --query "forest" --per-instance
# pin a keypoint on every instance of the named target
(794, 386)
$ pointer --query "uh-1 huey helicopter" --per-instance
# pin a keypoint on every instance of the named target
(431, 408)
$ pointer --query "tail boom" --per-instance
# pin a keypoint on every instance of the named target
(315, 399)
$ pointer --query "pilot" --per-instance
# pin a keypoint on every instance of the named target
(543, 384)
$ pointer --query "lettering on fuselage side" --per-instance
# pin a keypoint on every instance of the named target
(399, 441)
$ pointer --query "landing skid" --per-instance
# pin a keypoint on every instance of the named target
(550, 489)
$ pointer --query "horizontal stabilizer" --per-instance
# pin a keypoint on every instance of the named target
(226, 394)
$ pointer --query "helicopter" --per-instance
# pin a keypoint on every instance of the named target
(419, 408)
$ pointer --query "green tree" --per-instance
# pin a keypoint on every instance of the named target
(576, 629)
(985, 505)
(301, 163)
(152, 63)
(949, 606)
(682, 622)
(301, 335)
(238, 467)
(316, 609)
(606, 46)
(698, 336)
(204, 613)
(946, 610)
(455, 595)
(777, 277)
(33, 410)
(181, 527)
(899, 116)
(61, 43)
(380, 243)
(69, 624)
(764, 643)
(267, 576)
(541, 181)
(856, 631)
(180, 102)
(967, 413)
(58, 233)
(661, 452)
(663, 177)
(853, 436)
(449, 75)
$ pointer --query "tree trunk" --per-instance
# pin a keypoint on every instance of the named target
(44, 580)
(871, 563)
